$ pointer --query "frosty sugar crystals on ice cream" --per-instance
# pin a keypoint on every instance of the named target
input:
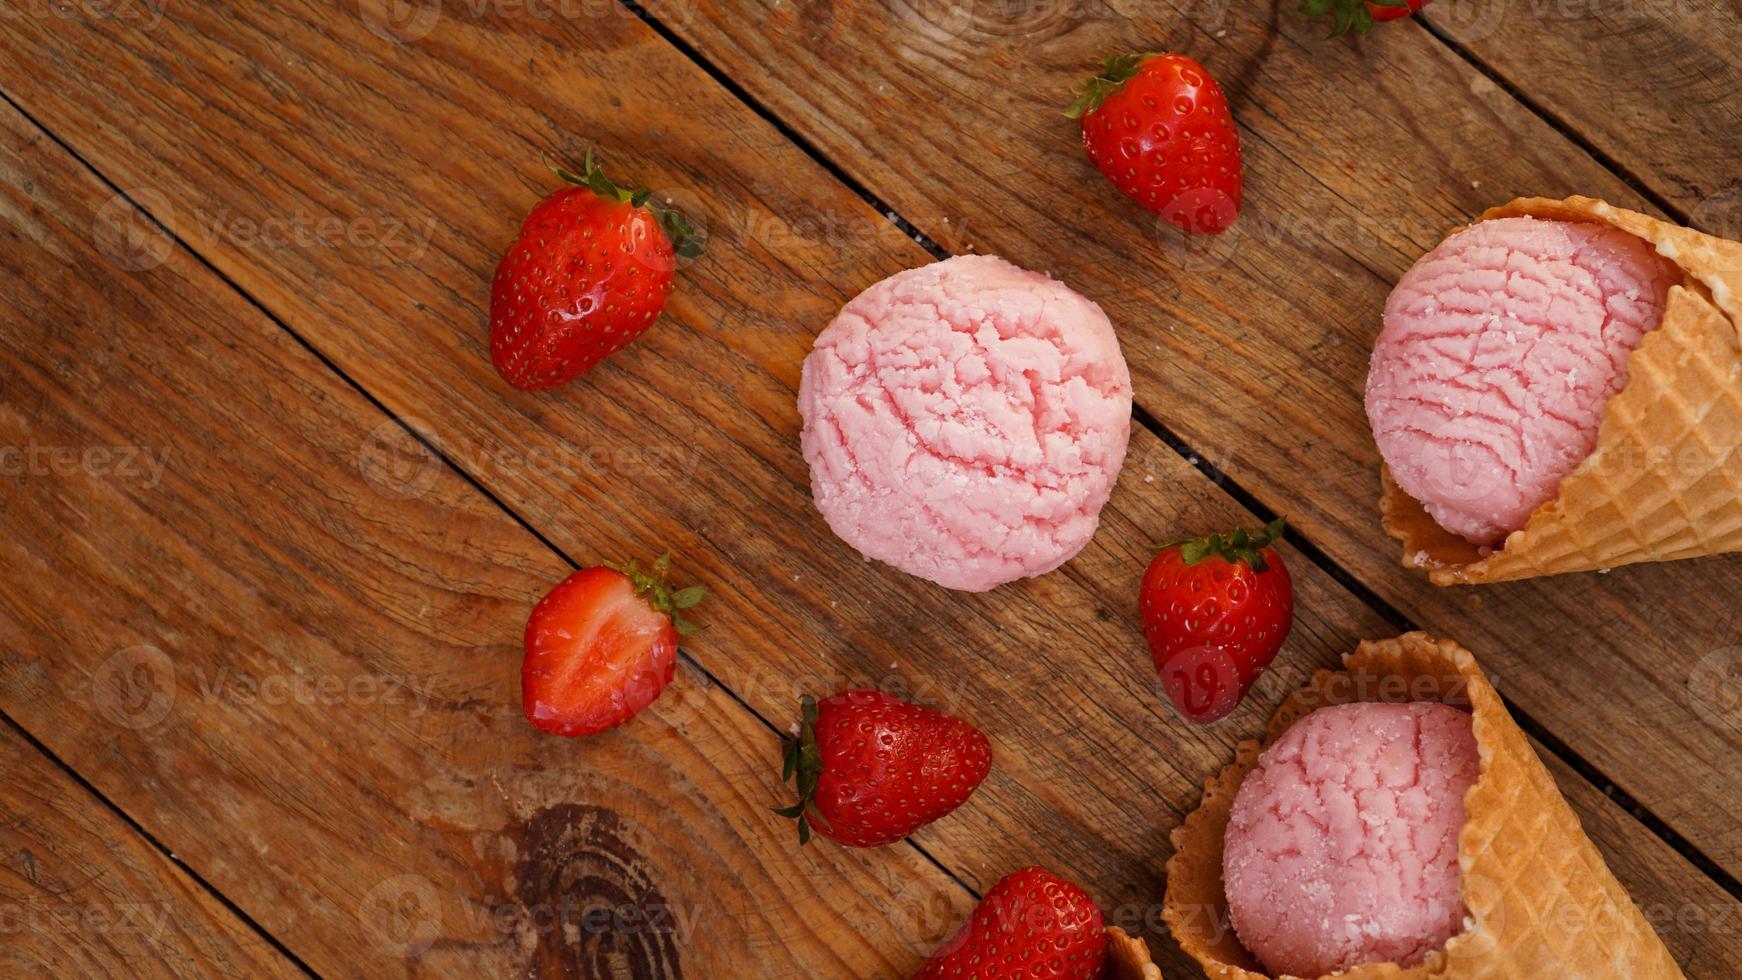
(1610, 424)
(965, 421)
(1342, 848)
(1500, 349)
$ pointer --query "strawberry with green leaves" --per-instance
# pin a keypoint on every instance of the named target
(589, 272)
(1159, 128)
(1216, 612)
(602, 645)
(1032, 924)
(872, 768)
(1359, 16)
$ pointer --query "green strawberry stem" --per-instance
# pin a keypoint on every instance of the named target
(805, 760)
(659, 593)
(1241, 546)
(1115, 72)
(684, 239)
(1348, 16)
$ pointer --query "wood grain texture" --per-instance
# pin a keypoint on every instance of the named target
(698, 416)
(1093, 770)
(1654, 85)
(1253, 346)
(82, 894)
(242, 605)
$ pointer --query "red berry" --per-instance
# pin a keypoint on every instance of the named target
(589, 272)
(1359, 16)
(1216, 612)
(1384, 13)
(1032, 924)
(601, 646)
(1158, 127)
(872, 768)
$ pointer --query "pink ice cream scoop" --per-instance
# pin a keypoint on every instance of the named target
(1342, 847)
(1500, 349)
(965, 421)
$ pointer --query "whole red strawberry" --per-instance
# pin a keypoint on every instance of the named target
(1359, 16)
(1159, 128)
(1215, 612)
(872, 768)
(601, 646)
(589, 272)
(1032, 924)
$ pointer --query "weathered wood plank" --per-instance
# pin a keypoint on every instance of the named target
(1092, 771)
(82, 894)
(1253, 346)
(1654, 85)
(240, 605)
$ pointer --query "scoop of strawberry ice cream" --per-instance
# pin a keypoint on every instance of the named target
(1342, 847)
(965, 421)
(1500, 349)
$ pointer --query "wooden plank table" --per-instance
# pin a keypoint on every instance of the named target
(277, 524)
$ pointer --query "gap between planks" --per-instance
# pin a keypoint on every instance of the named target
(1654, 824)
(146, 835)
(436, 453)
(1559, 125)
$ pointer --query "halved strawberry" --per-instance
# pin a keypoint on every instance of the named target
(601, 646)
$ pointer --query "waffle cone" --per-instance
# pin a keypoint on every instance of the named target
(1128, 957)
(1541, 901)
(1665, 480)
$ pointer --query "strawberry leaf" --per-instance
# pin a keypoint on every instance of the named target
(1242, 546)
(1347, 16)
(804, 759)
(660, 596)
(1097, 89)
(683, 237)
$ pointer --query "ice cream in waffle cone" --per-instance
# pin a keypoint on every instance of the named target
(1540, 900)
(1665, 479)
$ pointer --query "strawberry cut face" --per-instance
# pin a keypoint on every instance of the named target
(596, 654)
